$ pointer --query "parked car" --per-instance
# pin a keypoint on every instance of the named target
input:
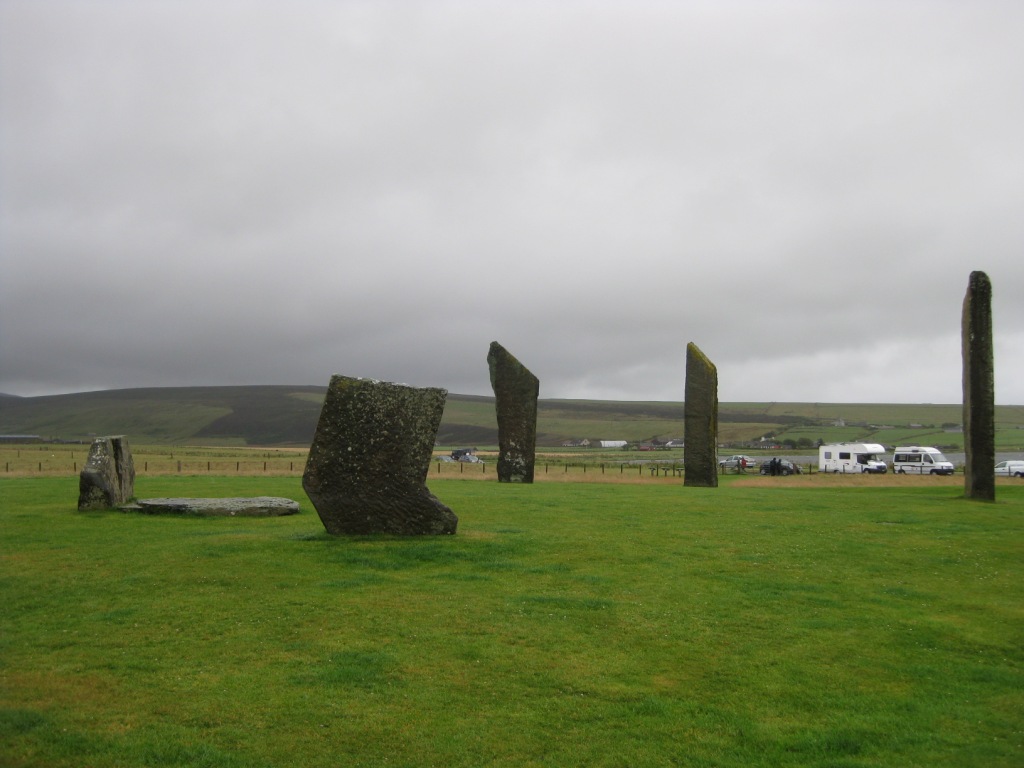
(738, 461)
(443, 458)
(784, 467)
(469, 458)
(1010, 469)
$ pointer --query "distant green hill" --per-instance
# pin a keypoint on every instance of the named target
(287, 415)
(260, 415)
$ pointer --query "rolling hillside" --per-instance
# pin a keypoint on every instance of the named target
(287, 415)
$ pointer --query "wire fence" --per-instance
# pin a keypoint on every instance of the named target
(62, 460)
(65, 461)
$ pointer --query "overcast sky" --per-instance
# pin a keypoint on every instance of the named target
(197, 193)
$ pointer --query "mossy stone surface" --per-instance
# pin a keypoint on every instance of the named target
(700, 451)
(108, 477)
(979, 389)
(515, 401)
(368, 463)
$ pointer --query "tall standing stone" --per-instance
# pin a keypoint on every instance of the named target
(979, 389)
(700, 450)
(515, 402)
(108, 478)
(367, 467)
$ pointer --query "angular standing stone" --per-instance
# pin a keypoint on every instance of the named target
(979, 389)
(515, 402)
(700, 409)
(108, 477)
(367, 466)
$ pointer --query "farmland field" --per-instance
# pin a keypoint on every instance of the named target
(285, 416)
(806, 621)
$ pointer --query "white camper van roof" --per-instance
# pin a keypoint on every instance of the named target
(858, 447)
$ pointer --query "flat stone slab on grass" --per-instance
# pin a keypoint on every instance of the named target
(253, 506)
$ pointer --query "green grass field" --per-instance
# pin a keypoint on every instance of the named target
(822, 622)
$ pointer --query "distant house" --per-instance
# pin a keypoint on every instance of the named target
(584, 443)
(611, 443)
(675, 443)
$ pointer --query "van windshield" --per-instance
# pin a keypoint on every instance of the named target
(939, 457)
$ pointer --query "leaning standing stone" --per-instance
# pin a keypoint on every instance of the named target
(515, 403)
(108, 478)
(700, 450)
(367, 466)
(979, 390)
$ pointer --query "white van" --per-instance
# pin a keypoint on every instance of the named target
(915, 460)
(852, 458)
(1010, 469)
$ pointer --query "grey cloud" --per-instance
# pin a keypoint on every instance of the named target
(273, 194)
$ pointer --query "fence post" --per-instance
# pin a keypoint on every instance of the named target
(179, 465)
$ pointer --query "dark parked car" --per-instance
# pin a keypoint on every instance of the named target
(782, 467)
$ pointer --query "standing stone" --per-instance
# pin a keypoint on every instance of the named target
(367, 467)
(108, 478)
(979, 389)
(515, 401)
(700, 450)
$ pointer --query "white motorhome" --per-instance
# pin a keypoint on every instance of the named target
(916, 460)
(852, 458)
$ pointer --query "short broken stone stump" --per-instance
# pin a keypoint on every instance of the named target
(108, 477)
(255, 506)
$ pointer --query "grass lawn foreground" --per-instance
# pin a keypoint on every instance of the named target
(567, 624)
